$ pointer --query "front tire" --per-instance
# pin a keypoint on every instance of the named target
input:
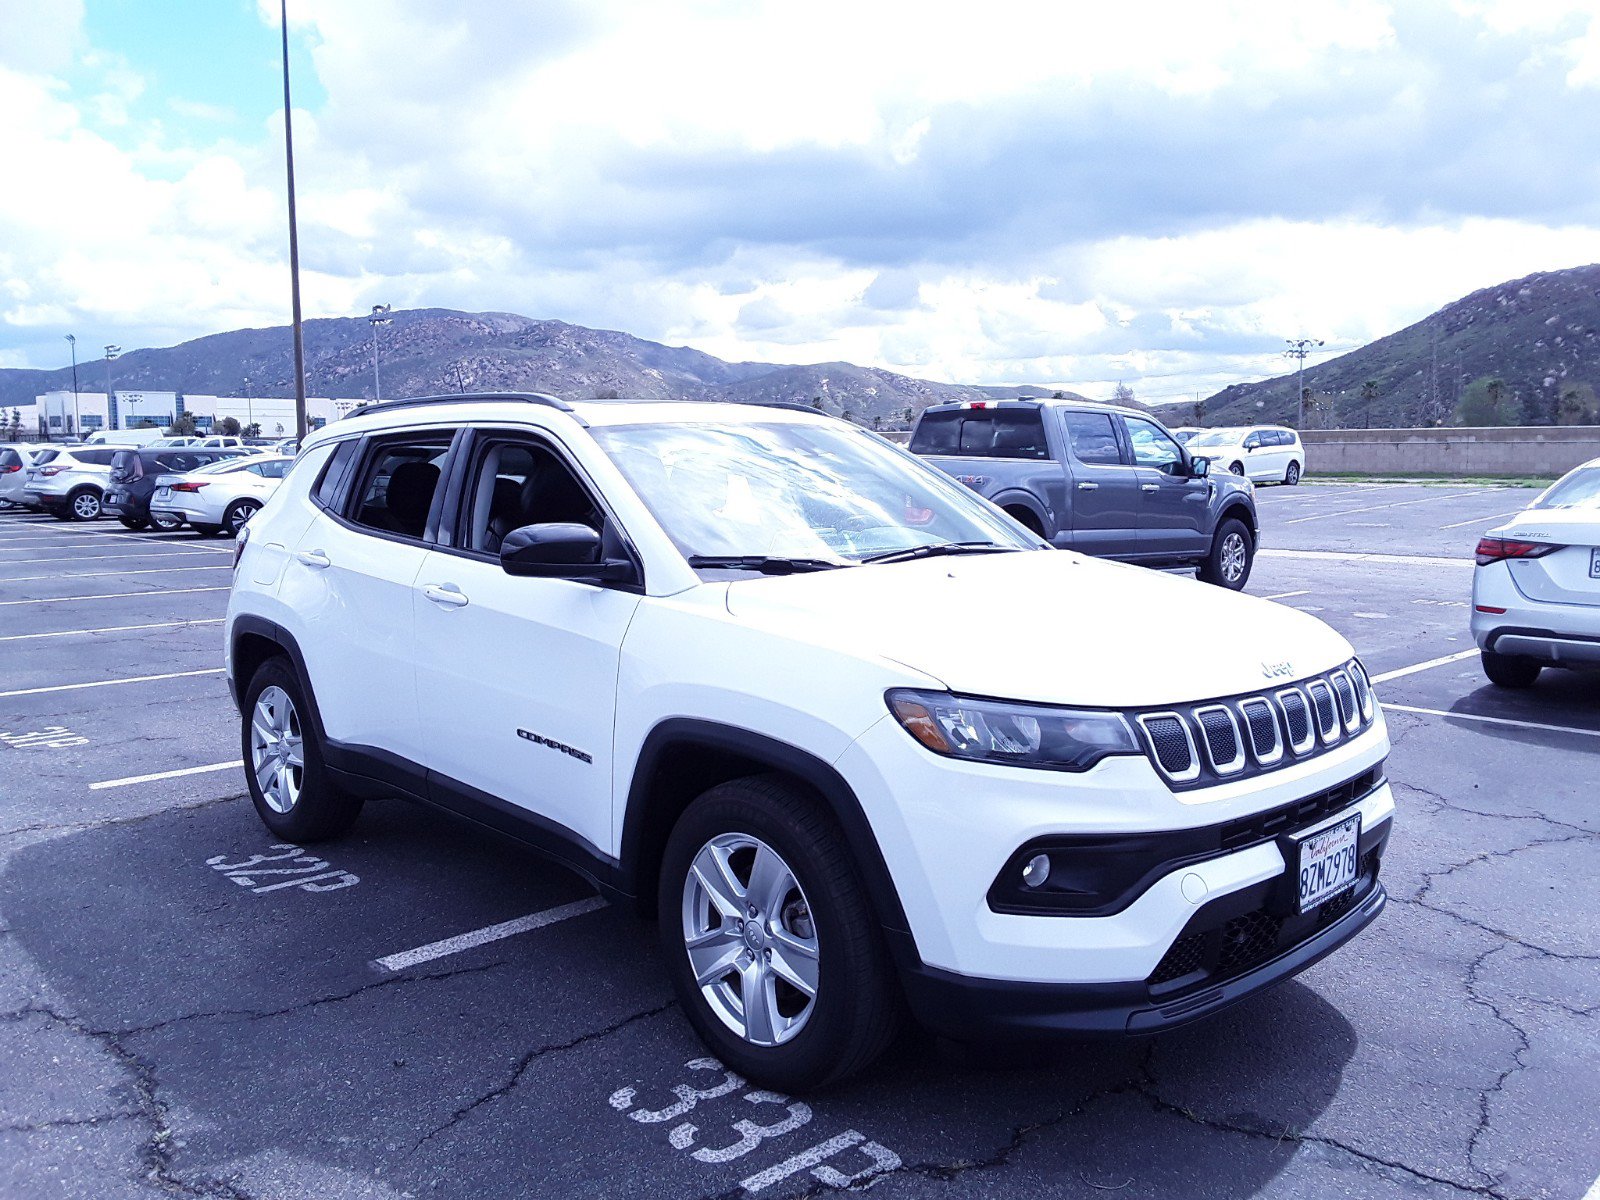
(289, 782)
(1232, 554)
(1236, 468)
(1292, 475)
(84, 505)
(770, 940)
(1510, 671)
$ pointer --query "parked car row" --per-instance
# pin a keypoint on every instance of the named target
(212, 489)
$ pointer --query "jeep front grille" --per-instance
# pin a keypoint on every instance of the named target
(1196, 744)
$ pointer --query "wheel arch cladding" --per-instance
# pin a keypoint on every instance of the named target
(254, 641)
(1242, 514)
(683, 757)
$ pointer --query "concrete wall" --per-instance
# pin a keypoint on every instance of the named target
(1532, 450)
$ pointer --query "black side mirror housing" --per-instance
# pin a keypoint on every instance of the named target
(1199, 468)
(561, 550)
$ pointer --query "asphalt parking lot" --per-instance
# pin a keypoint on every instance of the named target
(187, 1008)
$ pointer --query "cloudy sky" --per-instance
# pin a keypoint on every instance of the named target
(1044, 191)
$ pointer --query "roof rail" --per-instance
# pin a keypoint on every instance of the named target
(543, 398)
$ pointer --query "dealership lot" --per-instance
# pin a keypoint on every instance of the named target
(422, 1010)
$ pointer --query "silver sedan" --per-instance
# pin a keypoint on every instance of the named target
(221, 496)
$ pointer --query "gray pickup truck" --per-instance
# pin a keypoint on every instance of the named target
(1107, 481)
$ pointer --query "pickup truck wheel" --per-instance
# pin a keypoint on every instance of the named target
(289, 783)
(1232, 555)
(1292, 475)
(1509, 671)
(770, 940)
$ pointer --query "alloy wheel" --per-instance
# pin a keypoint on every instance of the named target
(166, 524)
(1233, 557)
(751, 939)
(277, 754)
(1292, 477)
(86, 506)
(240, 514)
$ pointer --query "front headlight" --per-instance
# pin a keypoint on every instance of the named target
(1025, 735)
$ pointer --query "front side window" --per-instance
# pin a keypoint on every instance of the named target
(1093, 438)
(1253, 442)
(397, 483)
(523, 483)
(1152, 447)
(982, 433)
(797, 490)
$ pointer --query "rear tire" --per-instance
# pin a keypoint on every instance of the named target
(238, 513)
(84, 505)
(207, 530)
(294, 795)
(817, 921)
(1233, 553)
(166, 524)
(1027, 520)
(133, 524)
(1509, 670)
(1292, 475)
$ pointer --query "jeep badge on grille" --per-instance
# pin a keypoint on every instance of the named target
(1277, 670)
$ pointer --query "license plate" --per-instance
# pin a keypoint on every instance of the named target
(1327, 862)
(1594, 563)
(164, 493)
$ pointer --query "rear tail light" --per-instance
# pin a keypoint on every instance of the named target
(8, 470)
(187, 487)
(1493, 549)
(49, 471)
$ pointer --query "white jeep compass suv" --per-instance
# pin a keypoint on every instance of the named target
(853, 735)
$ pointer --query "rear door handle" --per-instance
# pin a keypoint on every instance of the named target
(446, 594)
(1149, 487)
(1088, 487)
(314, 558)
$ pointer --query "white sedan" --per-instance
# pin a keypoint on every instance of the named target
(220, 496)
(1536, 589)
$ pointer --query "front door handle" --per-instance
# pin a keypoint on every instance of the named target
(446, 594)
(1086, 486)
(314, 558)
(1149, 487)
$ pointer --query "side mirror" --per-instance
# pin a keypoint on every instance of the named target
(1199, 468)
(562, 551)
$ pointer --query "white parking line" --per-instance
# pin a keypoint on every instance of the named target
(1482, 520)
(1402, 560)
(1594, 1191)
(490, 933)
(1461, 716)
(1350, 512)
(1287, 595)
(28, 637)
(111, 574)
(1425, 666)
(36, 540)
(100, 683)
(69, 557)
(132, 779)
(113, 595)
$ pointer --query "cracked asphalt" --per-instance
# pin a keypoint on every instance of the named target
(174, 1021)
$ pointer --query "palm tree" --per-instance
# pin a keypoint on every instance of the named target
(1369, 393)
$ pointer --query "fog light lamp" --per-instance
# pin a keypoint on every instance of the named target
(1036, 871)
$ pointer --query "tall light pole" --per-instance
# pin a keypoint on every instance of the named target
(379, 316)
(294, 237)
(249, 404)
(77, 421)
(1298, 349)
(111, 353)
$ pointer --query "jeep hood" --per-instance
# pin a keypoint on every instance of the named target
(1049, 626)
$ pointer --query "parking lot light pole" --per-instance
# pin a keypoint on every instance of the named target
(1298, 349)
(380, 316)
(294, 237)
(111, 353)
(77, 421)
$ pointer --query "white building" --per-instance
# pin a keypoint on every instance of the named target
(59, 415)
(144, 410)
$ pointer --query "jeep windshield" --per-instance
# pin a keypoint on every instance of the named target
(754, 497)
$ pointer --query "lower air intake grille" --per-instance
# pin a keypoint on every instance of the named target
(1248, 940)
(1185, 955)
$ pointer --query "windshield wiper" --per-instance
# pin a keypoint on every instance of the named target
(766, 564)
(934, 549)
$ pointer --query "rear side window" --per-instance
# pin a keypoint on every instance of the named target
(1093, 438)
(396, 485)
(982, 433)
(44, 456)
(97, 458)
(270, 470)
(327, 493)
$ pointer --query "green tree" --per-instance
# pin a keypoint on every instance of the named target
(1122, 394)
(877, 422)
(227, 427)
(1576, 405)
(253, 429)
(183, 426)
(1369, 397)
(909, 415)
(1488, 401)
(816, 402)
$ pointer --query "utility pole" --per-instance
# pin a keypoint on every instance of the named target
(77, 421)
(249, 404)
(111, 401)
(1298, 349)
(294, 238)
(461, 381)
(380, 316)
